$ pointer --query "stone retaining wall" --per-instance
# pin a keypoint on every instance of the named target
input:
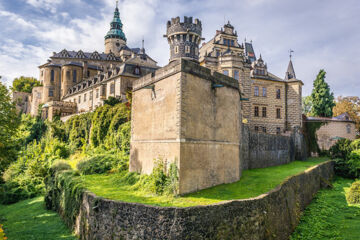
(273, 215)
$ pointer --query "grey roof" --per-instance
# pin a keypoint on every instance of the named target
(81, 65)
(290, 73)
(341, 118)
(80, 54)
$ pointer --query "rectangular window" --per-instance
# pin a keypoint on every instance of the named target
(256, 91)
(79, 100)
(278, 93)
(176, 49)
(226, 72)
(232, 43)
(52, 75)
(256, 128)
(187, 49)
(264, 129)
(278, 130)
(84, 97)
(51, 92)
(112, 88)
(91, 95)
(264, 111)
(74, 76)
(97, 93)
(278, 113)
(264, 92)
(256, 111)
(217, 53)
(236, 74)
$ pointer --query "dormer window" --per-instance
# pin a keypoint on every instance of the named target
(137, 71)
(187, 49)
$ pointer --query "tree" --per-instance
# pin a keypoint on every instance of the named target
(350, 105)
(306, 105)
(322, 98)
(25, 84)
(9, 121)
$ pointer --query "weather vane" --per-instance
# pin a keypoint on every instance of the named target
(290, 52)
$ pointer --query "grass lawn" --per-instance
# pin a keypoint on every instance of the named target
(329, 216)
(253, 183)
(28, 219)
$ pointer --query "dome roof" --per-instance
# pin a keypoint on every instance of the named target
(116, 27)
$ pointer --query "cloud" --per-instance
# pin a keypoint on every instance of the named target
(322, 35)
(49, 5)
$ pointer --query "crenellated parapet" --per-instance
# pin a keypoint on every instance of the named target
(184, 38)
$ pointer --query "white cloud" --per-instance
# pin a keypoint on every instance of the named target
(49, 5)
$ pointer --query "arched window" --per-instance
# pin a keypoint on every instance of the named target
(52, 75)
(348, 128)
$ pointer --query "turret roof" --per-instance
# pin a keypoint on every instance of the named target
(116, 27)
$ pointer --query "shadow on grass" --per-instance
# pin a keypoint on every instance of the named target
(29, 219)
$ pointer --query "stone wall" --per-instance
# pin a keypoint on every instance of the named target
(328, 134)
(260, 150)
(273, 215)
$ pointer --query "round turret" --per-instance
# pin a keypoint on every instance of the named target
(184, 38)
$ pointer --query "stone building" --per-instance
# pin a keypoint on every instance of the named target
(77, 81)
(270, 104)
(187, 115)
(22, 101)
(333, 129)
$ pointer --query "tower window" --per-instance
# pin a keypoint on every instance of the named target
(117, 44)
(176, 49)
(264, 111)
(52, 75)
(256, 111)
(256, 91)
(278, 93)
(88, 73)
(51, 92)
(264, 92)
(137, 71)
(236, 74)
(278, 113)
(74, 76)
(187, 49)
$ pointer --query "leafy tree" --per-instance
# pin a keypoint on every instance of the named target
(306, 105)
(350, 105)
(9, 121)
(322, 98)
(25, 84)
(111, 101)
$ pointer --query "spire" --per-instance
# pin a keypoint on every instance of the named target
(116, 26)
(290, 73)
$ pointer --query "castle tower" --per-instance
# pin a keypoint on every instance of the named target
(184, 38)
(115, 37)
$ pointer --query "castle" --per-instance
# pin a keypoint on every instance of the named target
(194, 112)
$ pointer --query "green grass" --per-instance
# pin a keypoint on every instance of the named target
(27, 220)
(253, 183)
(329, 216)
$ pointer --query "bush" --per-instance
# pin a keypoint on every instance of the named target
(341, 149)
(353, 195)
(98, 164)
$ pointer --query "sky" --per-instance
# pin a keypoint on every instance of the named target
(324, 34)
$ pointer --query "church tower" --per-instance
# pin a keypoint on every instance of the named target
(115, 37)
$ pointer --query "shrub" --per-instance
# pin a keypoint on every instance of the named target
(60, 165)
(354, 163)
(341, 149)
(98, 164)
(353, 195)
